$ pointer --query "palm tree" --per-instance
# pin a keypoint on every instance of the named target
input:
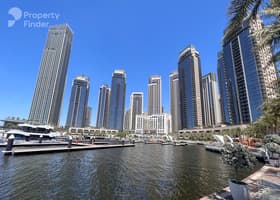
(271, 113)
(240, 10)
(269, 10)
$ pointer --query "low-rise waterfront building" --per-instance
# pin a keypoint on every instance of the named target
(217, 129)
(157, 124)
(91, 131)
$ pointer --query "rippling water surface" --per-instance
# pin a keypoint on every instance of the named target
(147, 171)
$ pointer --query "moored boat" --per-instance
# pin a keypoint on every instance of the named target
(27, 132)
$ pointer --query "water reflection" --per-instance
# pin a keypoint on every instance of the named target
(144, 172)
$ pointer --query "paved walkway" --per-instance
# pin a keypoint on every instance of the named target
(266, 177)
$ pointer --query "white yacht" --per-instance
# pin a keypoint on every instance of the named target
(29, 132)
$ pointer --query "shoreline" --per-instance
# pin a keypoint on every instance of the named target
(265, 177)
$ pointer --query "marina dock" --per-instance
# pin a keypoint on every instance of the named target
(44, 149)
(32, 144)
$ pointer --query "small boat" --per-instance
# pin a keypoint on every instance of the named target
(166, 143)
(139, 141)
(179, 144)
(191, 142)
(152, 142)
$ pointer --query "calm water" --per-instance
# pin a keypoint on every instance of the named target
(148, 171)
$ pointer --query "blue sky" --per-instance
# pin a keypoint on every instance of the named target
(143, 37)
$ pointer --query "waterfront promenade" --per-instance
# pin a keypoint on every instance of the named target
(267, 177)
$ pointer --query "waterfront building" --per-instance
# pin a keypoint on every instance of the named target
(215, 130)
(117, 100)
(211, 104)
(175, 101)
(49, 90)
(102, 119)
(158, 124)
(154, 95)
(136, 108)
(91, 131)
(249, 76)
(77, 110)
(189, 70)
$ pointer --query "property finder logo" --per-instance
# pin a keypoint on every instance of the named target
(31, 19)
(16, 14)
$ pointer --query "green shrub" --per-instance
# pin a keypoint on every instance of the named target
(238, 156)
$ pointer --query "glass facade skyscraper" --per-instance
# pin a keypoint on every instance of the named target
(189, 70)
(48, 94)
(175, 101)
(154, 95)
(103, 107)
(126, 121)
(248, 72)
(136, 107)
(210, 103)
(88, 117)
(117, 100)
(77, 111)
(227, 96)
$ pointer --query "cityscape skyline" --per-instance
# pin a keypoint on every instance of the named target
(140, 99)
(136, 81)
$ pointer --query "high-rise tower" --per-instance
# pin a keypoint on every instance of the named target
(77, 111)
(249, 73)
(189, 70)
(48, 94)
(154, 95)
(126, 120)
(117, 100)
(102, 120)
(175, 101)
(211, 104)
(136, 107)
(88, 116)
(227, 96)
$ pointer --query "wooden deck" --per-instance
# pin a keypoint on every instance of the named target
(44, 150)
